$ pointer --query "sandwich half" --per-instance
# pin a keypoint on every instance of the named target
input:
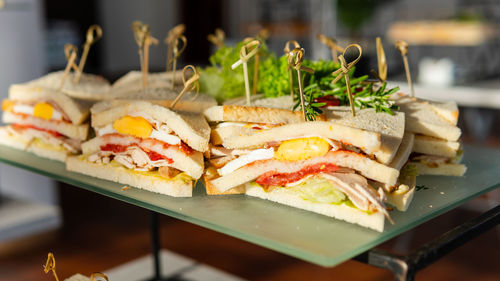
(318, 166)
(437, 149)
(145, 145)
(90, 86)
(46, 122)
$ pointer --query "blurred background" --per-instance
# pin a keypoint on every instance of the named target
(454, 55)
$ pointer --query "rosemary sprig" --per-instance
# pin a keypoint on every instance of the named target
(366, 95)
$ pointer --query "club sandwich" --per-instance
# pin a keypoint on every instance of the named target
(145, 145)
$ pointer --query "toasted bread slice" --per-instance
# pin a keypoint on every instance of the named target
(429, 118)
(390, 127)
(79, 132)
(365, 166)
(435, 146)
(211, 190)
(190, 101)
(76, 110)
(367, 141)
(253, 114)
(153, 183)
(90, 87)
(191, 127)
(446, 169)
(283, 102)
(132, 81)
(342, 212)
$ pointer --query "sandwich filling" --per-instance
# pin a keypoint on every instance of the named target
(140, 143)
(39, 122)
(304, 162)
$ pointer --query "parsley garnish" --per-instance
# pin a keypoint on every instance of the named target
(421, 187)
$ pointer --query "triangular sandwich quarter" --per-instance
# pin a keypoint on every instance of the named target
(318, 166)
(145, 145)
(44, 121)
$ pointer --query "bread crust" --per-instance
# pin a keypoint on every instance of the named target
(367, 141)
(343, 212)
(122, 175)
(254, 114)
(191, 127)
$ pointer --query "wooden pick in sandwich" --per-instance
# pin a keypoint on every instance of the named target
(176, 53)
(332, 44)
(50, 266)
(344, 71)
(295, 59)
(255, 68)
(141, 32)
(97, 276)
(189, 85)
(245, 55)
(172, 35)
(71, 52)
(287, 52)
(402, 47)
(217, 38)
(94, 33)
(381, 61)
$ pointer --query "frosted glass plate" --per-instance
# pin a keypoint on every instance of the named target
(305, 235)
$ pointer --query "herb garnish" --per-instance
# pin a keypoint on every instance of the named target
(421, 187)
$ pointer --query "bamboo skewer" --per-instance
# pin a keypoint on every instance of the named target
(287, 52)
(217, 38)
(94, 33)
(332, 44)
(343, 71)
(295, 59)
(245, 55)
(402, 47)
(50, 266)
(189, 85)
(70, 51)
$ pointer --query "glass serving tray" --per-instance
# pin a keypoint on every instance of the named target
(315, 238)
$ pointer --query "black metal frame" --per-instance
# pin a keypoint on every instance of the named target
(404, 268)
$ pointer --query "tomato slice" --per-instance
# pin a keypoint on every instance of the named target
(273, 178)
(25, 126)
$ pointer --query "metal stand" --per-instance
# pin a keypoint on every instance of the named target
(405, 267)
(155, 248)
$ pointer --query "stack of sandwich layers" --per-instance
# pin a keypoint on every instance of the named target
(436, 150)
(47, 121)
(145, 145)
(318, 166)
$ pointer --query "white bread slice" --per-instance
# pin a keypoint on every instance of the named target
(435, 146)
(37, 147)
(370, 169)
(11, 140)
(79, 132)
(283, 102)
(132, 81)
(45, 150)
(211, 190)
(76, 110)
(253, 114)
(421, 118)
(402, 196)
(90, 87)
(390, 127)
(367, 141)
(158, 184)
(191, 127)
(404, 151)
(191, 164)
(343, 212)
(447, 169)
(78, 277)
